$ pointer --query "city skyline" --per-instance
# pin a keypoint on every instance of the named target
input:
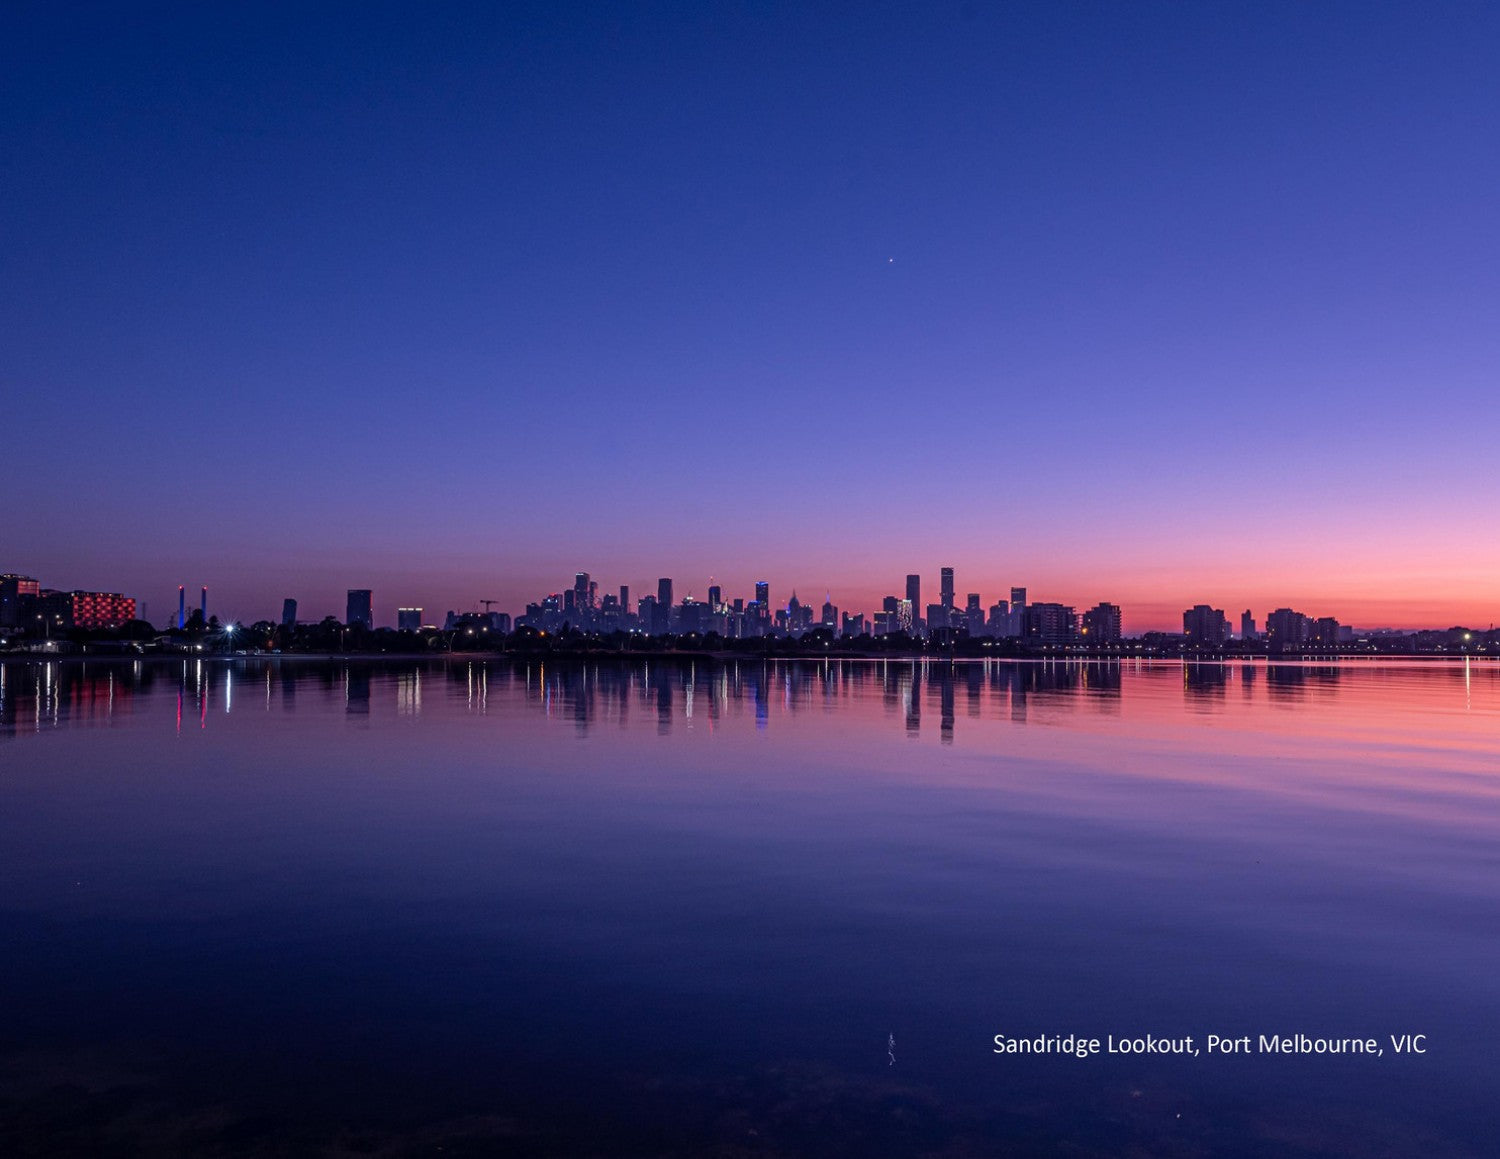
(369, 607)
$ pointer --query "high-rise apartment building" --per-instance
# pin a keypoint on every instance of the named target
(1205, 626)
(1049, 623)
(1101, 624)
(16, 591)
(1286, 628)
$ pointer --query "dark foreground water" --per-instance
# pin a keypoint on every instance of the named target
(250, 908)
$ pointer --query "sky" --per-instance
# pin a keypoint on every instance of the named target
(1156, 304)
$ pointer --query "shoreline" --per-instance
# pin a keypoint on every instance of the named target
(1362, 660)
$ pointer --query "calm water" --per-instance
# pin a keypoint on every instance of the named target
(663, 909)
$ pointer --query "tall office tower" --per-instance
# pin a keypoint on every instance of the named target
(1247, 625)
(974, 615)
(288, 612)
(763, 602)
(593, 593)
(946, 591)
(570, 601)
(664, 593)
(409, 619)
(715, 598)
(581, 590)
(358, 609)
(906, 616)
(914, 591)
(624, 599)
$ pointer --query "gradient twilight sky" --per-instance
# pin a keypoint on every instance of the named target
(1158, 304)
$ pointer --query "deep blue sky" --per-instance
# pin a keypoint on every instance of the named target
(1158, 303)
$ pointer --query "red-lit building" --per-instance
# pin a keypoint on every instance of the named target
(17, 594)
(86, 609)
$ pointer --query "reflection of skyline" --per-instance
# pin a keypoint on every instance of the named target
(917, 696)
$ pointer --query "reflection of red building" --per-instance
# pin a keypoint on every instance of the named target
(88, 609)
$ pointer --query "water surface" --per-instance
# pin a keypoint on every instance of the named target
(656, 908)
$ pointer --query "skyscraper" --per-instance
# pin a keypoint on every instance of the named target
(763, 605)
(914, 597)
(409, 619)
(288, 612)
(661, 614)
(1247, 625)
(358, 609)
(581, 590)
(624, 599)
(946, 590)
